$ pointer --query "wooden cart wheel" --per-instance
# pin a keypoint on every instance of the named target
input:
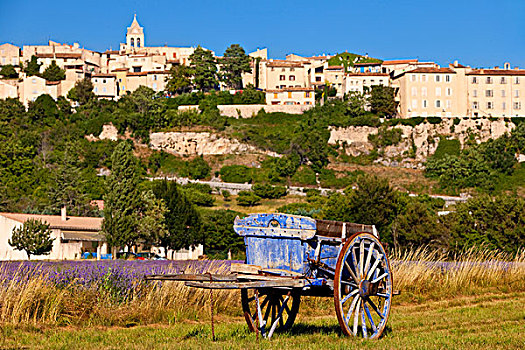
(362, 287)
(271, 302)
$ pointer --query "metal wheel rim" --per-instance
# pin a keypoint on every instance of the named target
(270, 303)
(363, 308)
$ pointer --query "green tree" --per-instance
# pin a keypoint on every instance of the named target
(8, 72)
(151, 225)
(43, 110)
(219, 236)
(234, 63)
(248, 199)
(496, 222)
(32, 67)
(82, 92)
(53, 72)
(382, 100)
(374, 202)
(183, 222)
(179, 80)
(122, 199)
(204, 69)
(198, 168)
(67, 186)
(34, 237)
(355, 104)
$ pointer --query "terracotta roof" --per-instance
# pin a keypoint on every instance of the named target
(78, 223)
(120, 70)
(365, 64)
(111, 52)
(147, 73)
(59, 55)
(335, 67)
(392, 62)
(318, 57)
(52, 82)
(282, 63)
(102, 75)
(291, 89)
(136, 74)
(496, 72)
(432, 70)
(367, 74)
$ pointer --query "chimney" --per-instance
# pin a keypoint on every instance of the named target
(63, 213)
(456, 63)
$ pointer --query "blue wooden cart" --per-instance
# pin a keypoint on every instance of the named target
(290, 256)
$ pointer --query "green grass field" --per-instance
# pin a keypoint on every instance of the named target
(489, 321)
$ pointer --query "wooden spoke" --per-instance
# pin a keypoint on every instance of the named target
(354, 277)
(363, 321)
(372, 324)
(352, 307)
(375, 308)
(354, 260)
(382, 295)
(361, 258)
(379, 278)
(356, 315)
(351, 294)
(374, 266)
(368, 258)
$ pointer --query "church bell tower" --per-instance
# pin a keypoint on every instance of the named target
(135, 36)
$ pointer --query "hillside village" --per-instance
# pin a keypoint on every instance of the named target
(421, 88)
(301, 135)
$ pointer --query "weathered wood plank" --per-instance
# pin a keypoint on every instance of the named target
(245, 268)
(287, 283)
(192, 277)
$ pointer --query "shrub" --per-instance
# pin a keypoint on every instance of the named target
(269, 191)
(248, 199)
(236, 173)
(386, 137)
(198, 198)
(198, 168)
(304, 176)
(434, 120)
(447, 147)
(226, 195)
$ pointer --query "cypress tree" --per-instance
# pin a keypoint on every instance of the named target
(122, 199)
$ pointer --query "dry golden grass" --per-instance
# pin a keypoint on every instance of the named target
(419, 274)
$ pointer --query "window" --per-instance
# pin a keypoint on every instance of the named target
(516, 93)
(423, 91)
(132, 42)
(275, 95)
(414, 91)
(475, 93)
(138, 42)
(475, 105)
(437, 78)
(503, 80)
(490, 105)
(307, 94)
(424, 77)
(283, 70)
(414, 104)
(517, 80)
(438, 91)
(103, 81)
(449, 92)
(448, 104)
(154, 86)
(96, 89)
(154, 77)
(413, 77)
(424, 103)
(517, 105)
(489, 80)
(292, 77)
(447, 78)
(474, 80)
(503, 105)
(502, 93)
(282, 77)
(292, 69)
(380, 81)
(104, 89)
(33, 81)
(318, 79)
(438, 104)
(372, 82)
(489, 93)
(289, 94)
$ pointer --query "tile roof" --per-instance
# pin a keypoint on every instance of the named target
(392, 62)
(335, 67)
(102, 75)
(79, 223)
(496, 72)
(282, 63)
(52, 82)
(366, 64)
(432, 70)
(59, 55)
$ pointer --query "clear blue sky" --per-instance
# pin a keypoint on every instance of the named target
(478, 33)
